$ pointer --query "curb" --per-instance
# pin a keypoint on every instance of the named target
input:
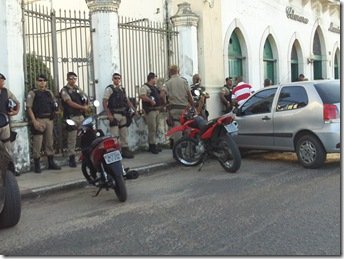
(38, 192)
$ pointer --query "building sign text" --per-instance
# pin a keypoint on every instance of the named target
(290, 14)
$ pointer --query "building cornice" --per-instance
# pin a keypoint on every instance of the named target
(185, 16)
(103, 6)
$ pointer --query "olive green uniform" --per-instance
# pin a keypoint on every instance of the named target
(72, 134)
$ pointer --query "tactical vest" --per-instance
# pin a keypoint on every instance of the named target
(154, 94)
(77, 98)
(43, 104)
(3, 100)
(118, 100)
(229, 96)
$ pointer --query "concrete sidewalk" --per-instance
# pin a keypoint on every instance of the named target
(32, 185)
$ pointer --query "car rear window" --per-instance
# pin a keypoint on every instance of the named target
(329, 91)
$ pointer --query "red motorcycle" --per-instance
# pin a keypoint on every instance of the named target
(101, 159)
(202, 138)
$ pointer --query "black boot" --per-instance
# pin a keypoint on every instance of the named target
(12, 168)
(152, 149)
(158, 147)
(37, 166)
(51, 164)
(72, 162)
(126, 153)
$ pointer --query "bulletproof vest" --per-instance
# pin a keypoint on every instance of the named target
(3, 100)
(77, 98)
(117, 99)
(154, 94)
(43, 104)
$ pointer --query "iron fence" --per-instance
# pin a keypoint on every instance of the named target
(58, 42)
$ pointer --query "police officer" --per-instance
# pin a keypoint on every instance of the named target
(116, 105)
(179, 97)
(6, 106)
(200, 98)
(226, 95)
(75, 104)
(41, 106)
(152, 100)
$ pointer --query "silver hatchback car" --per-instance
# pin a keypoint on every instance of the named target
(303, 117)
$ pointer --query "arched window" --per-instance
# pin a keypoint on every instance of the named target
(269, 62)
(317, 63)
(294, 64)
(234, 57)
(336, 65)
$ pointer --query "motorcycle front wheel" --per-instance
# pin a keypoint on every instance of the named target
(228, 154)
(187, 151)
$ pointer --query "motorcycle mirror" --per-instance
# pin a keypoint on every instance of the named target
(96, 103)
(87, 121)
(197, 92)
(70, 122)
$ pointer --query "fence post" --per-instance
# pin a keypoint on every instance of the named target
(54, 51)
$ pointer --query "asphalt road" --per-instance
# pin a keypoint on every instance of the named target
(272, 206)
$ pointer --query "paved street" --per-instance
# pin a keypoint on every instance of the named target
(271, 207)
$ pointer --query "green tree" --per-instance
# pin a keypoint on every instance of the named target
(35, 66)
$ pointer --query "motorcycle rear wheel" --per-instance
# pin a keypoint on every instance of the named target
(229, 158)
(186, 152)
(119, 188)
(10, 214)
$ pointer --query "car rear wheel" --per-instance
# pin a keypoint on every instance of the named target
(310, 152)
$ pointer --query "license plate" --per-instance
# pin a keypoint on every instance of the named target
(112, 157)
(231, 128)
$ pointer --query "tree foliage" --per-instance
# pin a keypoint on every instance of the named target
(34, 67)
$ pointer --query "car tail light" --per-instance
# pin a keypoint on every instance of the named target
(329, 112)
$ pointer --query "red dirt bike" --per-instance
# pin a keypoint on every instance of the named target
(202, 138)
(101, 159)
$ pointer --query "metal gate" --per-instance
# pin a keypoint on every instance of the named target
(58, 42)
(145, 46)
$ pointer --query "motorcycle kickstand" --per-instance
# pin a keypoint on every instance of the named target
(202, 163)
(100, 188)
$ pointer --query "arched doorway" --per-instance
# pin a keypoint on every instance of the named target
(269, 61)
(317, 57)
(235, 58)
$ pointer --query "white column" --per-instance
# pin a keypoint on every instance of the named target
(105, 40)
(12, 66)
(186, 24)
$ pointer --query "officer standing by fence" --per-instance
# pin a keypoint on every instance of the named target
(41, 106)
(152, 101)
(117, 107)
(75, 104)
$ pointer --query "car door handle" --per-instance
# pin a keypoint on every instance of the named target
(266, 118)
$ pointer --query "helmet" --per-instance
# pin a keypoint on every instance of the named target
(11, 105)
